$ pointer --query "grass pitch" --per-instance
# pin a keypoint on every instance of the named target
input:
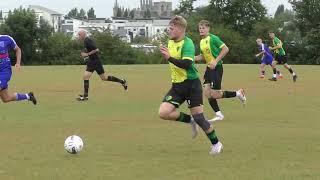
(275, 137)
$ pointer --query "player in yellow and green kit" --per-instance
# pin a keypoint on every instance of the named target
(186, 85)
(280, 55)
(212, 51)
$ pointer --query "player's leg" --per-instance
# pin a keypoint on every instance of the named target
(209, 80)
(6, 96)
(86, 77)
(288, 67)
(168, 109)
(213, 81)
(217, 93)
(105, 77)
(274, 69)
(213, 103)
(196, 109)
(262, 70)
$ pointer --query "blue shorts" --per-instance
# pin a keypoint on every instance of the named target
(4, 79)
(267, 60)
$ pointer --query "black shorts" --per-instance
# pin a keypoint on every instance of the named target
(281, 59)
(214, 77)
(188, 90)
(95, 65)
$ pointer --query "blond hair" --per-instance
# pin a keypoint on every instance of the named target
(179, 21)
(204, 23)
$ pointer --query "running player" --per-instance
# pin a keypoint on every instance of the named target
(7, 43)
(186, 85)
(94, 64)
(280, 55)
(212, 51)
(267, 59)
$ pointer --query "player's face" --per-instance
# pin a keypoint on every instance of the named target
(259, 42)
(174, 32)
(271, 35)
(81, 36)
(204, 30)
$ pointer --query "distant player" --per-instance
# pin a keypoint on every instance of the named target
(267, 59)
(212, 51)
(280, 55)
(94, 64)
(186, 85)
(7, 43)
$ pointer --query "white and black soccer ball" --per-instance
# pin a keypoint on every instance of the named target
(73, 144)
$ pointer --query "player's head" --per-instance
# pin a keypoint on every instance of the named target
(177, 27)
(259, 41)
(271, 34)
(204, 27)
(82, 34)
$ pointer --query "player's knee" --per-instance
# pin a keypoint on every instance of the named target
(164, 113)
(207, 93)
(5, 99)
(216, 94)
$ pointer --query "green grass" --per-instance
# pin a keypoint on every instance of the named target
(275, 137)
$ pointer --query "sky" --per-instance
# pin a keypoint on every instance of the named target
(103, 8)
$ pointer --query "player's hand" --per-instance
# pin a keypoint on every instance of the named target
(165, 53)
(18, 67)
(257, 55)
(213, 64)
(271, 48)
(83, 54)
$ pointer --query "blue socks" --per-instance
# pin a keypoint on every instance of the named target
(21, 97)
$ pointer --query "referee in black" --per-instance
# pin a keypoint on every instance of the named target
(94, 64)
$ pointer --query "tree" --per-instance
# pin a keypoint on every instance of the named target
(119, 12)
(0, 14)
(91, 14)
(147, 14)
(21, 24)
(61, 50)
(307, 20)
(131, 14)
(280, 10)
(307, 14)
(243, 14)
(73, 13)
(185, 7)
(82, 14)
(126, 13)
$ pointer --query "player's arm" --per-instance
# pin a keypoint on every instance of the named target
(184, 63)
(93, 52)
(259, 54)
(278, 46)
(89, 44)
(262, 51)
(199, 58)
(223, 53)
(18, 56)
(216, 41)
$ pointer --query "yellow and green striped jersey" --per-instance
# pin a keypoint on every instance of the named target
(183, 51)
(211, 47)
(276, 42)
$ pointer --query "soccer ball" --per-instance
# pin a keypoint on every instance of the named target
(73, 144)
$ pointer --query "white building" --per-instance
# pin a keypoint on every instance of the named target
(52, 17)
(72, 26)
(146, 28)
